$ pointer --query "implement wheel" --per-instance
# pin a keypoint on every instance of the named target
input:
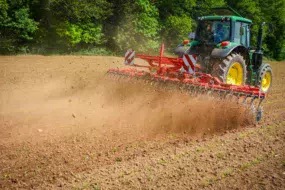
(232, 70)
(265, 75)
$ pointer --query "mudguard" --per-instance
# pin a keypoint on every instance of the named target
(221, 53)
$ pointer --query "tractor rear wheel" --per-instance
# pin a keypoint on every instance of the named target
(265, 77)
(232, 70)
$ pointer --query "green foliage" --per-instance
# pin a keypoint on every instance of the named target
(81, 11)
(275, 14)
(80, 33)
(76, 24)
(24, 25)
(16, 29)
(203, 7)
(140, 29)
(167, 8)
(176, 20)
(105, 26)
(3, 10)
(176, 29)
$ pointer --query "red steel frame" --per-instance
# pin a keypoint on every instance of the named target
(163, 64)
(169, 69)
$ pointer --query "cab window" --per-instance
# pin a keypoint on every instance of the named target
(241, 34)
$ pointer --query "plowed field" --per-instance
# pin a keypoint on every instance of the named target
(65, 125)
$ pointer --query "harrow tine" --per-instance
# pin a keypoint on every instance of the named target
(116, 77)
(190, 87)
(220, 94)
(202, 90)
(252, 100)
(145, 81)
(245, 98)
(224, 94)
(229, 96)
(196, 90)
(191, 90)
(111, 76)
(252, 106)
(259, 110)
(260, 102)
(217, 95)
(259, 114)
(209, 93)
(205, 91)
(238, 98)
(182, 88)
(122, 78)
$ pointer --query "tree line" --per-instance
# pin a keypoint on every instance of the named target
(112, 26)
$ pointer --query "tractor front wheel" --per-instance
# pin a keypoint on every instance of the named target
(265, 78)
(232, 70)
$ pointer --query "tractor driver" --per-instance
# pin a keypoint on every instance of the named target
(220, 34)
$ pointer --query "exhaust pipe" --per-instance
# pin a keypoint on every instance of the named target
(258, 54)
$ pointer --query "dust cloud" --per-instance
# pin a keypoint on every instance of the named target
(154, 111)
(68, 98)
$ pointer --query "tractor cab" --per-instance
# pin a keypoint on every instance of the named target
(218, 29)
(224, 29)
(225, 25)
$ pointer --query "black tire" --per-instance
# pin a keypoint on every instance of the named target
(263, 69)
(221, 68)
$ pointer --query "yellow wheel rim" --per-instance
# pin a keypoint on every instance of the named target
(266, 82)
(235, 74)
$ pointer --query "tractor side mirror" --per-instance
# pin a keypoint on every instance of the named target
(241, 31)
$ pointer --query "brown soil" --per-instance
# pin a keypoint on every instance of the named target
(65, 125)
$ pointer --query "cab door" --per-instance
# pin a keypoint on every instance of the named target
(242, 33)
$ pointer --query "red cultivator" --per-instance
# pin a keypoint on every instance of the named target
(184, 73)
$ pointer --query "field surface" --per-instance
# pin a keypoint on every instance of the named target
(64, 124)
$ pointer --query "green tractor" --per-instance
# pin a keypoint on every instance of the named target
(222, 44)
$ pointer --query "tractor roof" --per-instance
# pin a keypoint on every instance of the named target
(222, 12)
(218, 17)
